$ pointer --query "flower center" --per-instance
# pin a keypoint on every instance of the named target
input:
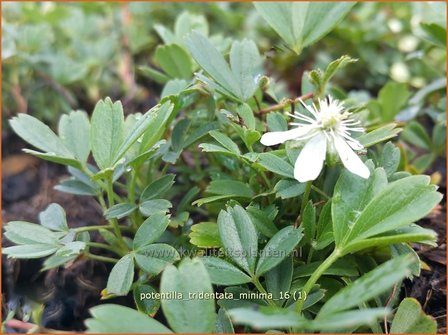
(330, 120)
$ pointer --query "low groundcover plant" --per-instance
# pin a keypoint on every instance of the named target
(222, 218)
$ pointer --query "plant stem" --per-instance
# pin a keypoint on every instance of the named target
(131, 194)
(310, 255)
(100, 258)
(305, 197)
(94, 228)
(316, 275)
(102, 202)
(131, 197)
(164, 169)
(246, 161)
(322, 193)
(101, 246)
(265, 179)
(261, 289)
(114, 222)
(286, 102)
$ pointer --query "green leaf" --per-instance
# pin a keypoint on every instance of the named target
(56, 260)
(188, 22)
(230, 187)
(119, 211)
(51, 157)
(289, 188)
(158, 126)
(199, 133)
(188, 313)
(210, 147)
(415, 134)
(348, 320)
(73, 186)
(435, 33)
(241, 298)
(249, 137)
(153, 74)
(379, 135)
(30, 250)
(211, 199)
(150, 230)
(157, 187)
(213, 86)
(174, 60)
(245, 112)
(407, 200)
(423, 162)
(225, 141)
(155, 206)
(71, 249)
(153, 119)
(308, 222)
(53, 217)
(410, 319)
(413, 233)
(106, 132)
(342, 267)
(335, 66)
(392, 97)
(21, 232)
(165, 34)
(369, 285)
(121, 277)
(420, 96)
(390, 158)
(211, 60)
(224, 273)
(223, 323)
(351, 195)
(324, 231)
(276, 122)
(143, 299)
(266, 318)
(174, 87)
(262, 222)
(115, 319)
(39, 135)
(205, 235)
(300, 24)
(277, 165)
(74, 131)
(154, 258)
(278, 248)
(245, 60)
(279, 279)
(239, 237)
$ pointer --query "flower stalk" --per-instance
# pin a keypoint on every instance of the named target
(316, 275)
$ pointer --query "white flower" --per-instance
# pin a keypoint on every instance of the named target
(329, 128)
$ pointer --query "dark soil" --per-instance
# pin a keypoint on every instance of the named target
(430, 288)
(68, 292)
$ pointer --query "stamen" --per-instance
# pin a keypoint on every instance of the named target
(351, 122)
(299, 124)
(356, 130)
(301, 117)
(315, 114)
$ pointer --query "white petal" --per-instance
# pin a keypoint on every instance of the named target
(350, 159)
(311, 159)
(277, 137)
